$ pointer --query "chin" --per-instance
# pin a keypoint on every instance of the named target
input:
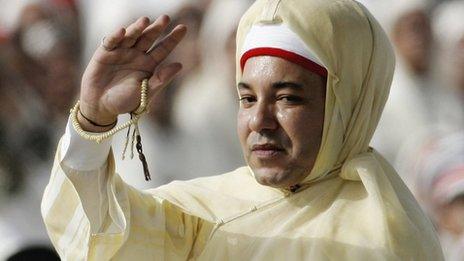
(272, 177)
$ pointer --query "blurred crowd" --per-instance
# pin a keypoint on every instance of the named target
(421, 129)
(190, 130)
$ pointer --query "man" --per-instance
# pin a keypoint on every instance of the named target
(414, 101)
(449, 28)
(312, 79)
(438, 171)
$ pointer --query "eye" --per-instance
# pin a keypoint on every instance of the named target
(247, 100)
(290, 99)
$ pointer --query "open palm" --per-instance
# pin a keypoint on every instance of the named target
(111, 81)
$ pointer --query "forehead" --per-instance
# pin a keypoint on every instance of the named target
(268, 69)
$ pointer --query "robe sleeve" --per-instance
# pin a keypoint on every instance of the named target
(91, 214)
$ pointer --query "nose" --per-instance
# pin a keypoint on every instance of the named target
(263, 117)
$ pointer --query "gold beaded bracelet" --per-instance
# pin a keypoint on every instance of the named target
(98, 137)
(135, 116)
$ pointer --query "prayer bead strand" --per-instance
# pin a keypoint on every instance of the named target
(135, 116)
(98, 137)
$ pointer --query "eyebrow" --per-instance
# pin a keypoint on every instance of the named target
(242, 85)
(290, 85)
(276, 85)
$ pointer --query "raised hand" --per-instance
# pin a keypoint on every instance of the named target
(111, 81)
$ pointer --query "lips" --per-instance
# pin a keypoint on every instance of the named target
(267, 150)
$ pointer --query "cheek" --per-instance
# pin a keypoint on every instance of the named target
(303, 128)
(243, 119)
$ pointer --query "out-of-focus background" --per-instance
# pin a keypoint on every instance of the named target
(190, 131)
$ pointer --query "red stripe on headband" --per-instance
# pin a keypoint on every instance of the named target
(289, 56)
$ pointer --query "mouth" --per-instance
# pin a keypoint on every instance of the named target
(267, 150)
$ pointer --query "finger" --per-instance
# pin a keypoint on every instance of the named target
(113, 40)
(134, 31)
(163, 76)
(162, 49)
(152, 32)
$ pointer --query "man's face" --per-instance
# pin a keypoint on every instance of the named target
(412, 36)
(280, 119)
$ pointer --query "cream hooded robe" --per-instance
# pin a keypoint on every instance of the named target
(352, 206)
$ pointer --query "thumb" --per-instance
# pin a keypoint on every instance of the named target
(163, 76)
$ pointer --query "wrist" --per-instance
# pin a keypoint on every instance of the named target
(88, 126)
(92, 117)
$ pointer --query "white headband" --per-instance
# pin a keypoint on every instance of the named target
(279, 40)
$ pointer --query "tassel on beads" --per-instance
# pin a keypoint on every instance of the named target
(142, 158)
(126, 142)
(137, 140)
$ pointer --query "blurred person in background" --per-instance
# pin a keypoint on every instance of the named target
(438, 169)
(435, 159)
(47, 51)
(11, 169)
(409, 107)
(39, 77)
(213, 87)
(12, 119)
(419, 103)
(449, 30)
